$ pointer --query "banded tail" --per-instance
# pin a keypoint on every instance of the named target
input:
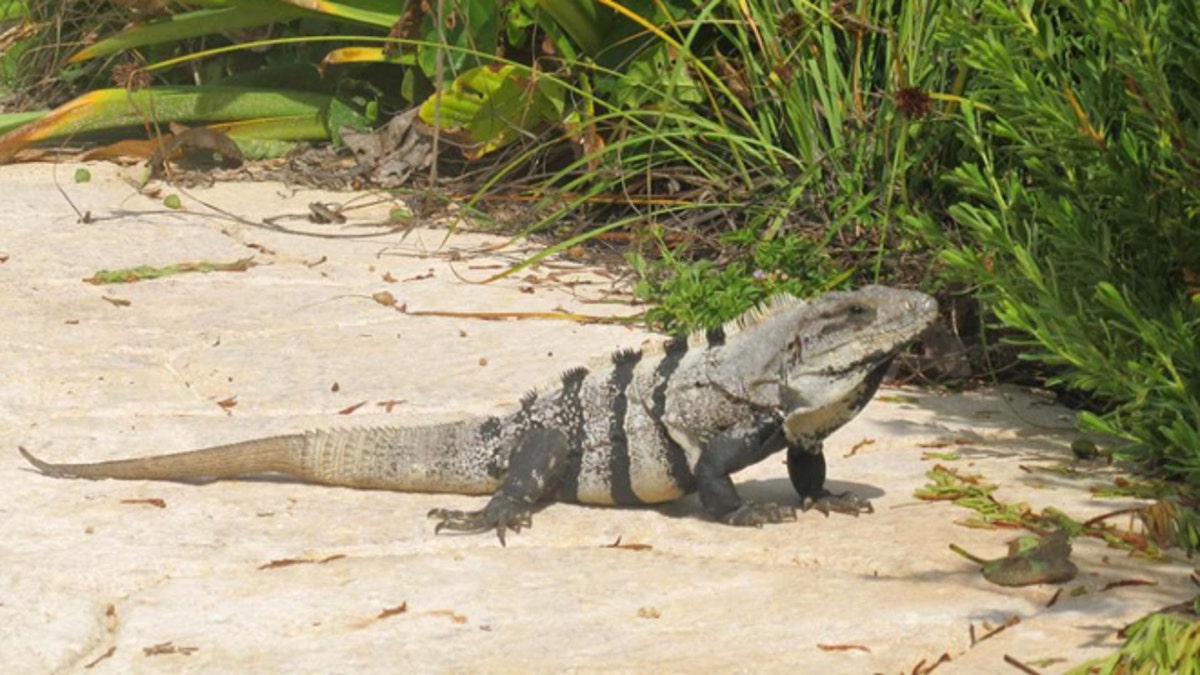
(440, 458)
(277, 454)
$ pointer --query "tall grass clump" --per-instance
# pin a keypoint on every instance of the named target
(778, 138)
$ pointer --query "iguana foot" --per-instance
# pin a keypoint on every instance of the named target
(846, 502)
(500, 514)
(756, 515)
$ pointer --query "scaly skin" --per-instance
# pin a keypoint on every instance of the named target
(647, 427)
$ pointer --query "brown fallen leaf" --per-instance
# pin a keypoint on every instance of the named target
(456, 618)
(922, 669)
(843, 648)
(228, 403)
(858, 446)
(1019, 666)
(116, 302)
(1127, 582)
(1054, 598)
(351, 409)
(92, 664)
(629, 547)
(992, 632)
(168, 648)
(384, 298)
(420, 277)
(199, 145)
(288, 562)
(393, 611)
(390, 405)
(156, 502)
(555, 316)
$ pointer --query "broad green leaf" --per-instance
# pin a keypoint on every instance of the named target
(245, 14)
(382, 13)
(487, 107)
(297, 114)
(220, 17)
(13, 10)
(10, 121)
(472, 27)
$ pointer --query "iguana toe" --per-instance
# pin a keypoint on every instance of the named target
(846, 502)
(756, 515)
(499, 514)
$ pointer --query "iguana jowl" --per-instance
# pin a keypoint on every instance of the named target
(648, 426)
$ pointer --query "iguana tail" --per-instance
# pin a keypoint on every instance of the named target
(277, 454)
(440, 458)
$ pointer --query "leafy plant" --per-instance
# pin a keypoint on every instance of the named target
(1159, 643)
(701, 294)
(1077, 213)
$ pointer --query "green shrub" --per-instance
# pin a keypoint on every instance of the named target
(1078, 211)
(703, 294)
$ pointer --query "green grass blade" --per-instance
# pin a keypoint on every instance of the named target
(192, 24)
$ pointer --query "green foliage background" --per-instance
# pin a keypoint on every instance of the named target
(1044, 154)
(1077, 209)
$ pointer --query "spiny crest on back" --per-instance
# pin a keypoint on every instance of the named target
(625, 356)
(700, 339)
(575, 373)
(750, 318)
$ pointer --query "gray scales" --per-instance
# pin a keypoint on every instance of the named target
(642, 427)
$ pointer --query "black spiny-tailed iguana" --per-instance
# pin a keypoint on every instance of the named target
(648, 426)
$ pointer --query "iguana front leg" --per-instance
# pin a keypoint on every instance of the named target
(729, 452)
(535, 471)
(806, 468)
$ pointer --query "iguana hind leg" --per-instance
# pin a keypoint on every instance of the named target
(535, 471)
(806, 468)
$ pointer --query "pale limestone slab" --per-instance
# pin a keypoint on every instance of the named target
(89, 567)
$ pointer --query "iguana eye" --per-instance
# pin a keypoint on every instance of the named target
(856, 309)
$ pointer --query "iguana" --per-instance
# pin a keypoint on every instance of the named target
(645, 426)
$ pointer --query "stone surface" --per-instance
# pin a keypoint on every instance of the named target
(272, 576)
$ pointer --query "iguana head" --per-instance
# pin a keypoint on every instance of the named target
(820, 360)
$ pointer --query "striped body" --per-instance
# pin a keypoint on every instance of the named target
(620, 450)
(643, 427)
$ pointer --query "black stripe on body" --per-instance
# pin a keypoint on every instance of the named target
(492, 433)
(676, 458)
(568, 417)
(490, 436)
(715, 337)
(619, 469)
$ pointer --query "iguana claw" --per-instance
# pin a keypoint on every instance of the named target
(499, 514)
(845, 502)
(750, 514)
